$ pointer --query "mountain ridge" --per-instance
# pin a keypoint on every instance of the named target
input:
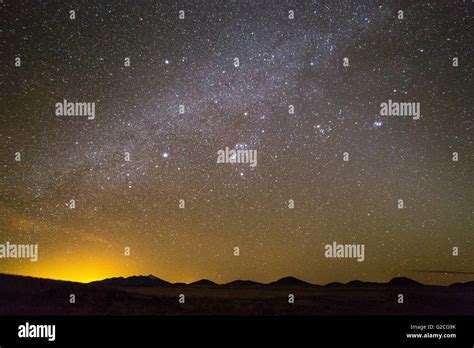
(288, 281)
(151, 280)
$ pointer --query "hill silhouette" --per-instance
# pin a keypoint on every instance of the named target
(149, 295)
(203, 282)
(361, 284)
(243, 283)
(403, 282)
(290, 281)
(463, 285)
(334, 285)
(149, 280)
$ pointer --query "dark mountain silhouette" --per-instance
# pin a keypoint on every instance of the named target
(334, 285)
(361, 284)
(149, 280)
(463, 285)
(203, 282)
(149, 295)
(243, 283)
(403, 282)
(355, 283)
(290, 281)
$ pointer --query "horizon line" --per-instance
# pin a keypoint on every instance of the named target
(261, 283)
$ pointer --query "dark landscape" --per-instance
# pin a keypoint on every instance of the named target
(149, 295)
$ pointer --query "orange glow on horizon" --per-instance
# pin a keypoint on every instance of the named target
(76, 273)
(83, 270)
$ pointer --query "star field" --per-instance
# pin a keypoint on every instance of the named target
(283, 64)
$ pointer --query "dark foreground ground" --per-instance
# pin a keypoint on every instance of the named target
(152, 296)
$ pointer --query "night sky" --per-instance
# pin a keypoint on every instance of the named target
(173, 155)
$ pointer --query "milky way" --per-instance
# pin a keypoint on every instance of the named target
(290, 97)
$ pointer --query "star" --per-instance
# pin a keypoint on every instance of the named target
(378, 123)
